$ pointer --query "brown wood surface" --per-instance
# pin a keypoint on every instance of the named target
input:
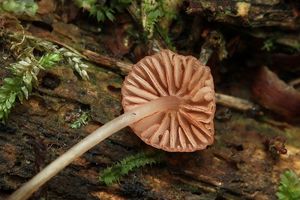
(237, 166)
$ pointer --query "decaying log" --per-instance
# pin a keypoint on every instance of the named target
(237, 166)
(254, 14)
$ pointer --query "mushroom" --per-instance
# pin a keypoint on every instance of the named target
(169, 102)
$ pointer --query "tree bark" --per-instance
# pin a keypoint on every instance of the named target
(252, 14)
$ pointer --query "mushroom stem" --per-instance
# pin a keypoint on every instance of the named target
(134, 115)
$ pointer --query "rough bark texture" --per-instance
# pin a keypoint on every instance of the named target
(253, 14)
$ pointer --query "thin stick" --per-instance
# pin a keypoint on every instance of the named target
(294, 82)
(163, 103)
(92, 56)
(234, 102)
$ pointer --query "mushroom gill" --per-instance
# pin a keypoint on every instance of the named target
(189, 125)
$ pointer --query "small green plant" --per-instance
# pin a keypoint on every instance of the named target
(269, 45)
(28, 7)
(155, 14)
(152, 11)
(105, 10)
(25, 77)
(102, 13)
(112, 174)
(81, 120)
(25, 71)
(289, 188)
(86, 4)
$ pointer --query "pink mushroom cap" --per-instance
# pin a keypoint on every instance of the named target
(189, 126)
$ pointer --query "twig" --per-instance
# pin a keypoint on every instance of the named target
(294, 82)
(26, 35)
(235, 102)
(107, 61)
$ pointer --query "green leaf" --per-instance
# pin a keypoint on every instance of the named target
(49, 60)
(9, 81)
(25, 71)
(34, 75)
(31, 9)
(12, 98)
(82, 120)
(10, 6)
(289, 188)
(8, 105)
(109, 14)
(20, 6)
(86, 4)
(20, 96)
(6, 112)
(2, 95)
(27, 78)
(100, 16)
(25, 92)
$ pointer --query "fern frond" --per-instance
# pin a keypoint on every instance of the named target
(151, 12)
(289, 188)
(105, 10)
(114, 173)
(10, 89)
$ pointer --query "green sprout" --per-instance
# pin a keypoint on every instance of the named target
(83, 119)
(103, 11)
(269, 45)
(112, 174)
